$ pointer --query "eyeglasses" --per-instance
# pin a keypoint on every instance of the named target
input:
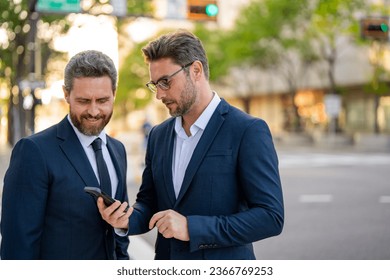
(165, 83)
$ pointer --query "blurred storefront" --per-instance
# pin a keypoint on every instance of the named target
(359, 113)
(363, 112)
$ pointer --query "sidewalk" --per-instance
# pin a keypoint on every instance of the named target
(358, 143)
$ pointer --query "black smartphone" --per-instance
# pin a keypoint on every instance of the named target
(97, 192)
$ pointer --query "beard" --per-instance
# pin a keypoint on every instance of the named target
(81, 123)
(186, 100)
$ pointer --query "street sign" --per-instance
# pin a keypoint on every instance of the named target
(59, 6)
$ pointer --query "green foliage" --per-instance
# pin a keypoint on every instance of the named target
(332, 18)
(286, 37)
(378, 88)
(265, 31)
(15, 35)
(15, 30)
(133, 75)
(218, 47)
(13, 26)
(16, 24)
(140, 7)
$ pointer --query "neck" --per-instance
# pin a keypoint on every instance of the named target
(190, 117)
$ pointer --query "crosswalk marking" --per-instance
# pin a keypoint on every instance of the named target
(327, 198)
(316, 198)
(384, 199)
(320, 160)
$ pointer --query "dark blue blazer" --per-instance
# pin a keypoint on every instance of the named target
(231, 193)
(45, 212)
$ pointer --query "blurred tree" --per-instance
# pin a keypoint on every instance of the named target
(217, 45)
(133, 75)
(19, 40)
(268, 35)
(19, 23)
(332, 23)
(332, 20)
(286, 38)
(379, 84)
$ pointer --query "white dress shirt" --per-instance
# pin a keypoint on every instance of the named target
(86, 142)
(185, 145)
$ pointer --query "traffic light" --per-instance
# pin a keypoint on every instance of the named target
(202, 10)
(375, 28)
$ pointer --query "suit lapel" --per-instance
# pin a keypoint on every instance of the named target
(201, 149)
(168, 147)
(75, 153)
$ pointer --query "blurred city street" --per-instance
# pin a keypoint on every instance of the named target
(337, 203)
(321, 69)
(337, 206)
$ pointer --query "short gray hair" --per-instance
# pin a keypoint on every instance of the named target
(90, 63)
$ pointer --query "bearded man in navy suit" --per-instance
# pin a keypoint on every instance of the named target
(45, 212)
(211, 182)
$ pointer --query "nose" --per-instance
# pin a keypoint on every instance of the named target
(93, 109)
(160, 93)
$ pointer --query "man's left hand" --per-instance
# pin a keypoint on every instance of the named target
(170, 224)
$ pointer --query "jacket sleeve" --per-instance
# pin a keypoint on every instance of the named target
(25, 193)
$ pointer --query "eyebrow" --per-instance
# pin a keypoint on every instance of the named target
(164, 77)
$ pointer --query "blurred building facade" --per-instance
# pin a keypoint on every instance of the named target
(361, 110)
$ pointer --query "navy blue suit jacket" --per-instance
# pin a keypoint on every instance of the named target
(45, 212)
(231, 193)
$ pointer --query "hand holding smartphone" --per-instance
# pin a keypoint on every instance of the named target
(97, 192)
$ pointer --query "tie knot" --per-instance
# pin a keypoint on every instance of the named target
(97, 144)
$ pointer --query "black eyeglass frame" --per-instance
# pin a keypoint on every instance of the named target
(164, 83)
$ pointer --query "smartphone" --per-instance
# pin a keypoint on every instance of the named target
(97, 192)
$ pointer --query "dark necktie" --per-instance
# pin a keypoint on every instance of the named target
(104, 176)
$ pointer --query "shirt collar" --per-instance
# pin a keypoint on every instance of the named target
(203, 119)
(86, 140)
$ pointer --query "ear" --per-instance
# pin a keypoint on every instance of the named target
(66, 94)
(197, 69)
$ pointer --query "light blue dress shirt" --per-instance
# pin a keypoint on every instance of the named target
(184, 145)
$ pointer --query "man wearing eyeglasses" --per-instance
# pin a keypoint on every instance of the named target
(211, 182)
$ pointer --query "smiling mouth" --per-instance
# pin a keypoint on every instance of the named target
(92, 120)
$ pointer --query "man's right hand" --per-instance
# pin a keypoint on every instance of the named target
(115, 214)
